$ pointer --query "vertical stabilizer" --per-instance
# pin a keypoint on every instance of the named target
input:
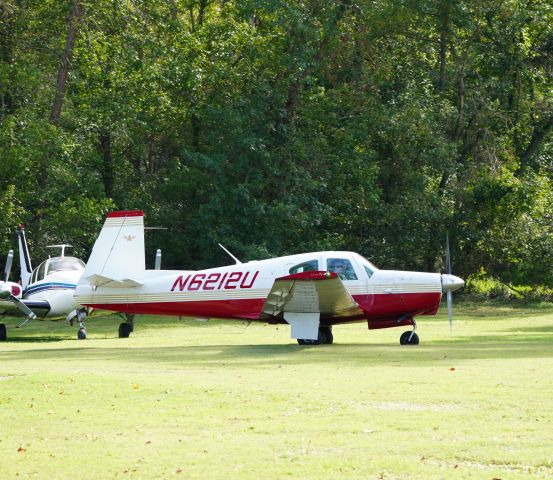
(118, 253)
(24, 257)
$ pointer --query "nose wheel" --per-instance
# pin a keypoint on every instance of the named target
(410, 338)
(81, 317)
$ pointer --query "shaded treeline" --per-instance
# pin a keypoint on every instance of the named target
(282, 126)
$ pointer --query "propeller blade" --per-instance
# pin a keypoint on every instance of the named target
(24, 308)
(8, 268)
(447, 254)
(450, 310)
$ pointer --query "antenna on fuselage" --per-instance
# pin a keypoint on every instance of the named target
(230, 254)
(62, 246)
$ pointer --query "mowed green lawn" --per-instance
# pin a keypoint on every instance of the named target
(220, 400)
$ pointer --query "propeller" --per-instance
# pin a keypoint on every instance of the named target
(450, 283)
(25, 309)
(6, 291)
(449, 295)
(5, 294)
(8, 268)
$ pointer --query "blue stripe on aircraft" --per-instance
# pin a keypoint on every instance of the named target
(50, 286)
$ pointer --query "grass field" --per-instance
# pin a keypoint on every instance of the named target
(182, 399)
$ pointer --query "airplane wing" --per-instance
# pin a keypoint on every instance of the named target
(9, 308)
(311, 292)
(305, 298)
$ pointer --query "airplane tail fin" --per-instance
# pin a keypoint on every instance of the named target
(117, 257)
(24, 257)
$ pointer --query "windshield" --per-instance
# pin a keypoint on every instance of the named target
(64, 264)
(341, 266)
(368, 266)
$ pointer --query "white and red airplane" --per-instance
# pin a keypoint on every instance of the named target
(310, 291)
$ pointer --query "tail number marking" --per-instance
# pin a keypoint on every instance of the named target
(214, 281)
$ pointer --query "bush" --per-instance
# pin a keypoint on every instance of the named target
(482, 285)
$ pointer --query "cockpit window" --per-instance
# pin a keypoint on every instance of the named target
(40, 271)
(368, 266)
(342, 267)
(65, 264)
(309, 266)
(368, 270)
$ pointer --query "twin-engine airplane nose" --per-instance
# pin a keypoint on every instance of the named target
(451, 282)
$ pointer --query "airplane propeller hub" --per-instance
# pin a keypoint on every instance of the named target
(451, 282)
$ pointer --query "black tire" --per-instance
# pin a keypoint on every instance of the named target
(124, 330)
(404, 339)
(81, 334)
(327, 335)
(3, 333)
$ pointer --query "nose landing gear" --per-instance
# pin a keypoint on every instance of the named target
(81, 317)
(410, 338)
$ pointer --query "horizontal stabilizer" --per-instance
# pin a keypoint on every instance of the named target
(102, 281)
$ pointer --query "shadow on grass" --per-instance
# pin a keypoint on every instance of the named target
(262, 355)
(543, 329)
(34, 339)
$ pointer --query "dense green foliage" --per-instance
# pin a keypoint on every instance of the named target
(278, 126)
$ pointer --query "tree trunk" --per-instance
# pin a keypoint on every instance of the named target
(6, 53)
(539, 133)
(443, 26)
(74, 20)
(294, 86)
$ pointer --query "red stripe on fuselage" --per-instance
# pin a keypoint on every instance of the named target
(245, 309)
(382, 306)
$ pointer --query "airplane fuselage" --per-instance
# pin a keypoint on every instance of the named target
(56, 289)
(386, 298)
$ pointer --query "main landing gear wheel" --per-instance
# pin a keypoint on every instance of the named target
(125, 330)
(409, 338)
(3, 334)
(325, 337)
(81, 334)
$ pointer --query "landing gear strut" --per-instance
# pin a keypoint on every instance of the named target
(127, 327)
(410, 338)
(325, 337)
(81, 317)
